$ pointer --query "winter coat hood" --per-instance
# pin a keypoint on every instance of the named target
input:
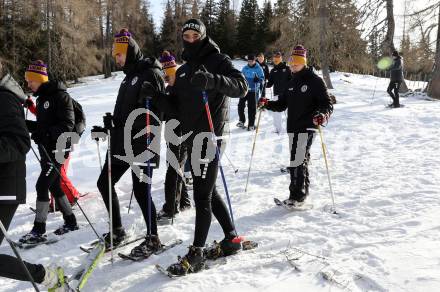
(205, 48)
(50, 88)
(9, 84)
(134, 55)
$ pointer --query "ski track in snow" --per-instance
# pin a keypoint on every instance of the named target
(384, 168)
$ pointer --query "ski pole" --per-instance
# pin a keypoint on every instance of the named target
(147, 104)
(217, 152)
(131, 198)
(99, 155)
(17, 254)
(374, 91)
(253, 149)
(62, 180)
(108, 125)
(230, 162)
(328, 172)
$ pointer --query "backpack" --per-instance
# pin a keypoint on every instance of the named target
(80, 117)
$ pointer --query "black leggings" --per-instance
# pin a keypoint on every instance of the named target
(208, 201)
(252, 108)
(175, 188)
(10, 267)
(299, 164)
(393, 91)
(140, 193)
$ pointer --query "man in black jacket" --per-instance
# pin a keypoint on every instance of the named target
(396, 79)
(308, 106)
(263, 64)
(55, 117)
(137, 70)
(14, 144)
(279, 77)
(206, 70)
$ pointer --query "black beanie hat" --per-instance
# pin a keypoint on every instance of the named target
(196, 25)
(251, 57)
(395, 53)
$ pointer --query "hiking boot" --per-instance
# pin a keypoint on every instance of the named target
(228, 246)
(240, 124)
(150, 245)
(193, 262)
(119, 236)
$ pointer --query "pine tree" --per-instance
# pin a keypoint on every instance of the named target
(226, 28)
(265, 35)
(209, 17)
(168, 30)
(247, 27)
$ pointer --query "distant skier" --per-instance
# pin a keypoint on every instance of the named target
(14, 144)
(55, 116)
(130, 97)
(255, 77)
(279, 77)
(263, 64)
(205, 70)
(308, 105)
(396, 79)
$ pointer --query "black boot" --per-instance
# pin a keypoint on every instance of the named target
(69, 225)
(119, 236)
(230, 245)
(150, 245)
(193, 262)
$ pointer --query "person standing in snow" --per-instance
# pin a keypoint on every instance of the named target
(55, 116)
(14, 144)
(254, 75)
(262, 62)
(396, 79)
(206, 70)
(279, 77)
(130, 97)
(67, 186)
(308, 106)
(176, 192)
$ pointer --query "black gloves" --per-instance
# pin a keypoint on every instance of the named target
(256, 79)
(108, 121)
(147, 91)
(203, 80)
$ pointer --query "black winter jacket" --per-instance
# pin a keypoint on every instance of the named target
(55, 114)
(396, 69)
(137, 69)
(187, 102)
(305, 95)
(279, 76)
(14, 144)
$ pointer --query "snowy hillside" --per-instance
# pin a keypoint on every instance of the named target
(385, 172)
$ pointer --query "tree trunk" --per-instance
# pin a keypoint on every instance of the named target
(434, 83)
(49, 42)
(323, 15)
(107, 49)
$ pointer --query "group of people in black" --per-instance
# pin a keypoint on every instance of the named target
(197, 97)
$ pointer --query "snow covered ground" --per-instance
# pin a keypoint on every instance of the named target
(385, 173)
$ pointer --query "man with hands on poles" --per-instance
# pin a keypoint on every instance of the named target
(138, 70)
(207, 77)
(308, 107)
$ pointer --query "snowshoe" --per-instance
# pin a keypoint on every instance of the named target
(226, 247)
(251, 128)
(241, 125)
(33, 238)
(193, 262)
(65, 229)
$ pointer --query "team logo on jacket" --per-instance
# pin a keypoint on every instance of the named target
(46, 105)
(182, 75)
(304, 88)
(135, 79)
